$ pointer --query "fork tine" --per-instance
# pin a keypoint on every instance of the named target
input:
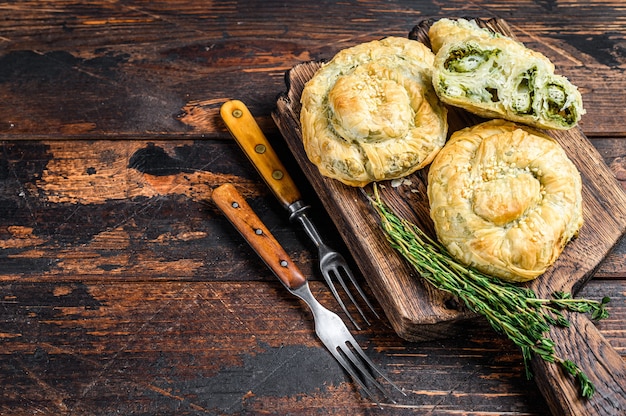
(338, 277)
(329, 327)
(348, 273)
(365, 373)
(331, 286)
(247, 133)
(372, 366)
(332, 263)
(349, 366)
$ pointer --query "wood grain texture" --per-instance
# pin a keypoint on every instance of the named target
(250, 138)
(205, 348)
(412, 306)
(79, 239)
(417, 312)
(86, 199)
(124, 291)
(128, 68)
(254, 231)
(105, 208)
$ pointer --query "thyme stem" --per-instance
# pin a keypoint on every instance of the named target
(510, 309)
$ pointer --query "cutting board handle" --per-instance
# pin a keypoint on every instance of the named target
(583, 344)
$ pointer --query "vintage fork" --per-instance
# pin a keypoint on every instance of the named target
(328, 326)
(255, 145)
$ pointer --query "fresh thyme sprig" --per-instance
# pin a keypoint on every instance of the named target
(510, 309)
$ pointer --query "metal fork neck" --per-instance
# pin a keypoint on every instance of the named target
(304, 292)
(296, 209)
(298, 212)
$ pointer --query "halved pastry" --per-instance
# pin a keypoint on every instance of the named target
(505, 199)
(371, 113)
(494, 76)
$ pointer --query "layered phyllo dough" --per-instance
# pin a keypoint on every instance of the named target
(371, 113)
(505, 199)
(494, 76)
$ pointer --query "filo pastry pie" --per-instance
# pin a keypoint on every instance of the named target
(371, 113)
(494, 76)
(504, 199)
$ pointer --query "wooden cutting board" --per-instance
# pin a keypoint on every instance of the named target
(416, 310)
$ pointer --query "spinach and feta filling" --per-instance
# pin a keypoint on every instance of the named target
(498, 77)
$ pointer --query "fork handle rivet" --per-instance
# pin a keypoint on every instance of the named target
(283, 263)
(258, 231)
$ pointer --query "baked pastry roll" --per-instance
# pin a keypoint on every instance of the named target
(504, 199)
(494, 76)
(371, 113)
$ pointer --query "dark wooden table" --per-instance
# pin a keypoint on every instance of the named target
(122, 288)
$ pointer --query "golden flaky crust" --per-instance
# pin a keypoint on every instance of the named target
(505, 199)
(371, 114)
(495, 76)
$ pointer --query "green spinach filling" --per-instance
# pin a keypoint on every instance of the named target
(556, 99)
(468, 58)
(523, 97)
(482, 79)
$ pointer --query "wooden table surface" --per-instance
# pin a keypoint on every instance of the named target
(123, 290)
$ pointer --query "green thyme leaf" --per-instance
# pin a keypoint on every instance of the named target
(510, 309)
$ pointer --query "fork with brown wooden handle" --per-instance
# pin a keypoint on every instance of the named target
(255, 145)
(328, 326)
